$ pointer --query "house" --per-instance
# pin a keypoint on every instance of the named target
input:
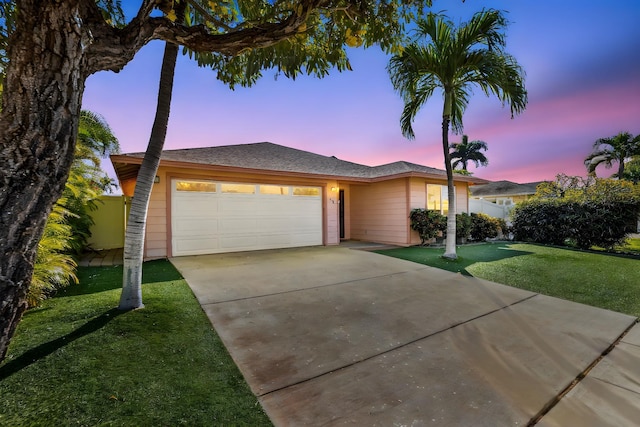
(498, 198)
(265, 196)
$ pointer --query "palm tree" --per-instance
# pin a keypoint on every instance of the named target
(466, 151)
(607, 151)
(131, 297)
(453, 60)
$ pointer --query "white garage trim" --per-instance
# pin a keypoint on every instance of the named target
(216, 216)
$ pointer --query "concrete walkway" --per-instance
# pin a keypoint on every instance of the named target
(102, 258)
(334, 336)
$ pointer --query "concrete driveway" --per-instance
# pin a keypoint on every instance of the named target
(336, 336)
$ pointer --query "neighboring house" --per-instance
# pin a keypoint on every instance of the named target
(498, 198)
(264, 196)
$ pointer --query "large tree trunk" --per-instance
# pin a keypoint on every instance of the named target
(38, 125)
(131, 296)
(450, 243)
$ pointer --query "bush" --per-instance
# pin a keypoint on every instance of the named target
(463, 225)
(429, 224)
(484, 226)
(586, 213)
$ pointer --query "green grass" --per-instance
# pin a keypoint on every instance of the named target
(601, 280)
(78, 361)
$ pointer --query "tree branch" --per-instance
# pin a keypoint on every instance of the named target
(113, 48)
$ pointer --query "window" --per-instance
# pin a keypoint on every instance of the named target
(199, 186)
(306, 191)
(438, 198)
(238, 188)
(274, 189)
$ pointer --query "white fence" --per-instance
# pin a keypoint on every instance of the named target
(488, 208)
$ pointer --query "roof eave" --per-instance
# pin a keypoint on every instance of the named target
(120, 162)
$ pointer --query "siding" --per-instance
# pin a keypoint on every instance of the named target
(379, 212)
(155, 244)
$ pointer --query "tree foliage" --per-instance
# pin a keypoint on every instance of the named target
(616, 149)
(632, 170)
(468, 151)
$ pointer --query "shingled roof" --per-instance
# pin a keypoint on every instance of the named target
(267, 156)
(504, 188)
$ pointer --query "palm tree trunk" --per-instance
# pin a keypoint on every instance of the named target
(131, 297)
(621, 168)
(450, 244)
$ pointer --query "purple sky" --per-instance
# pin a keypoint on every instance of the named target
(582, 60)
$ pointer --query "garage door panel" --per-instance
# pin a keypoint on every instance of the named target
(304, 239)
(235, 226)
(234, 204)
(227, 222)
(194, 207)
(195, 246)
(275, 225)
(198, 226)
(237, 242)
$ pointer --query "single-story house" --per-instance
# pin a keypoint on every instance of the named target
(265, 196)
(498, 198)
(504, 193)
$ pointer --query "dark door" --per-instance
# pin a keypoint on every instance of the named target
(341, 209)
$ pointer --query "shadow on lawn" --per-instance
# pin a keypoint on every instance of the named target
(467, 255)
(100, 279)
(92, 280)
(33, 355)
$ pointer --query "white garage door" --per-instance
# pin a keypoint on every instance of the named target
(214, 217)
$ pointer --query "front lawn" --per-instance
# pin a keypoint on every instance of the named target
(78, 361)
(602, 280)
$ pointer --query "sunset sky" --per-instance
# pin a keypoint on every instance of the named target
(581, 57)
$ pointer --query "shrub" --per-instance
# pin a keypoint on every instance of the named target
(484, 226)
(463, 225)
(592, 212)
(429, 224)
(54, 268)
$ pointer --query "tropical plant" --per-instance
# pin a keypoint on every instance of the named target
(51, 48)
(67, 227)
(454, 59)
(464, 152)
(632, 170)
(616, 149)
(484, 227)
(428, 223)
(54, 267)
(463, 225)
(87, 181)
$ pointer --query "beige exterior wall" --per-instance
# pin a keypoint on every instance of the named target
(332, 213)
(462, 197)
(379, 212)
(375, 212)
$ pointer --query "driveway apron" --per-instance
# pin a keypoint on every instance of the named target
(335, 336)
